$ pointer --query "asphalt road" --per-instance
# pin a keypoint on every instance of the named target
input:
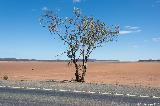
(25, 97)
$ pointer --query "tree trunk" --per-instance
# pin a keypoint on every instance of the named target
(84, 72)
(85, 59)
(83, 67)
(77, 71)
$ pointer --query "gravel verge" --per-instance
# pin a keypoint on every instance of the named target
(86, 87)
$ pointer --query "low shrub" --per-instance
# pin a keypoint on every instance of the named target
(5, 77)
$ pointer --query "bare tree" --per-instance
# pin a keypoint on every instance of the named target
(81, 35)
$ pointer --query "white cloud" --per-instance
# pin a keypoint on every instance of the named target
(44, 8)
(33, 10)
(157, 39)
(124, 32)
(76, 1)
(145, 40)
(129, 30)
(153, 5)
(156, 3)
(58, 9)
(135, 46)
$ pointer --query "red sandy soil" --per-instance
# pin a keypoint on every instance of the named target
(131, 73)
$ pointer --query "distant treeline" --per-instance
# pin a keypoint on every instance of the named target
(58, 60)
(150, 60)
(15, 59)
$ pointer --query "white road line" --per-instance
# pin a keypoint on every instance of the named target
(118, 94)
(76, 91)
(27, 87)
(2, 86)
(105, 93)
(47, 89)
(142, 96)
(69, 90)
(16, 87)
(9, 86)
(128, 94)
(131, 95)
(31, 88)
(83, 91)
(156, 97)
(63, 90)
(91, 92)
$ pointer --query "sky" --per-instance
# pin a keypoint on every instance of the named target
(22, 36)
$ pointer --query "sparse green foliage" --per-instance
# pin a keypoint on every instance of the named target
(81, 35)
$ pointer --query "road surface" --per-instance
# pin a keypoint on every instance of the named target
(34, 97)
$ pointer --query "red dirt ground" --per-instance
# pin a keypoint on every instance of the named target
(131, 73)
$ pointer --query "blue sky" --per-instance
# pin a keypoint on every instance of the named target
(21, 35)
